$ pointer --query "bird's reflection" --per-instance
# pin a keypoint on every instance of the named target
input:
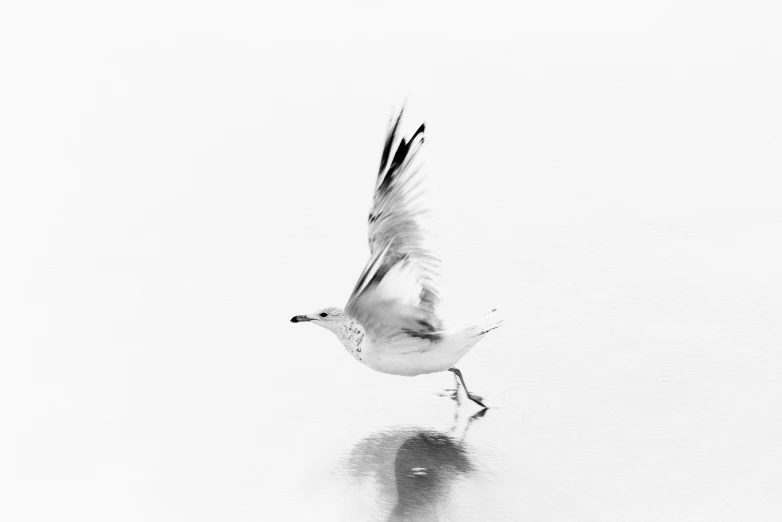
(414, 469)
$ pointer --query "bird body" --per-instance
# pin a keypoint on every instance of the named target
(403, 354)
(392, 321)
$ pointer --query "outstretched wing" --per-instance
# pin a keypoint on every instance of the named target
(399, 289)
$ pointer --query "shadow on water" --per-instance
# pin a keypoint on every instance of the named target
(414, 469)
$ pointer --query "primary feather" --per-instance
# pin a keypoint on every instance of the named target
(399, 289)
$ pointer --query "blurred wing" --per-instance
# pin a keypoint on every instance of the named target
(400, 286)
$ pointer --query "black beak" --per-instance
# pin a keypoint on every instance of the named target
(300, 319)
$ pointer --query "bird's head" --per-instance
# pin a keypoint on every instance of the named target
(331, 318)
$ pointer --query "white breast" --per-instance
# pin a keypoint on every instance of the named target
(401, 356)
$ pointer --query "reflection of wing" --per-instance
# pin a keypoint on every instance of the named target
(400, 286)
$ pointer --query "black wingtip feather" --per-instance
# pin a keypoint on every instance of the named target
(400, 154)
(390, 141)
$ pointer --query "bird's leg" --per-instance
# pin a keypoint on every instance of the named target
(475, 398)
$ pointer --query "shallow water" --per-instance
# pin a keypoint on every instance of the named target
(626, 384)
(632, 398)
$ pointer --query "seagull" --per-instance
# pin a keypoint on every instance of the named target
(391, 322)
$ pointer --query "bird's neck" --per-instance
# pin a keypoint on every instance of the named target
(353, 337)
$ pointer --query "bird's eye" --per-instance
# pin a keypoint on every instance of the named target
(323, 314)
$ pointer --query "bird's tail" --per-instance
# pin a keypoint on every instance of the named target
(474, 331)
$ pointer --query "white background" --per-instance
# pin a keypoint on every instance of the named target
(178, 179)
